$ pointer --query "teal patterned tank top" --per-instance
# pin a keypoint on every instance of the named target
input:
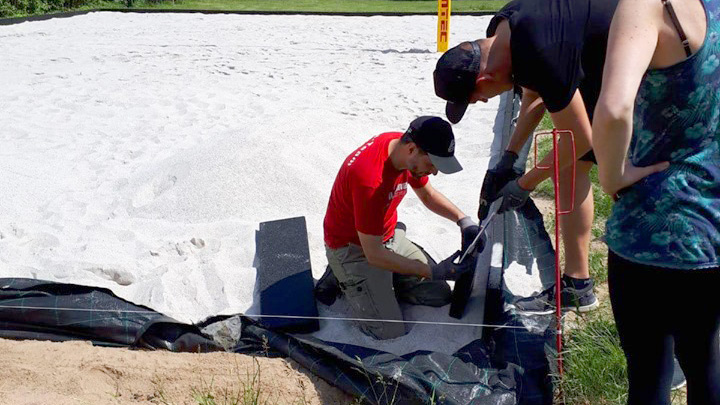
(672, 218)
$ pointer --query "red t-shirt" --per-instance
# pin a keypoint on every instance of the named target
(366, 194)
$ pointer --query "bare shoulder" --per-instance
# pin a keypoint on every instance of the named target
(640, 10)
(637, 21)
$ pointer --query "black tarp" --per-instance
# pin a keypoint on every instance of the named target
(44, 310)
(377, 377)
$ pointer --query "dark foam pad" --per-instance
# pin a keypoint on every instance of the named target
(461, 294)
(464, 284)
(284, 276)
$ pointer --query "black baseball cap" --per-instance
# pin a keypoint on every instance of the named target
(434, 136)
(454, 77)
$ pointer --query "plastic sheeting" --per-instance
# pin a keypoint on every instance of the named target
(528, 341)
(44, 310)
(377, 377)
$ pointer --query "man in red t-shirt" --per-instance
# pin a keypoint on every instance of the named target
(366, 248)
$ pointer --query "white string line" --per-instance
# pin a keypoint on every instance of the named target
(325, 318)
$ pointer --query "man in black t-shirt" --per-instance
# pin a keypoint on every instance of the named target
(555, 51)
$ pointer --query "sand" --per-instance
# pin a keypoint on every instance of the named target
(78, 373)
(140, 152)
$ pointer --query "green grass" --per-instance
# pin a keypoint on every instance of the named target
(24, 8)
(337, 6)
(247, 391)
(348, 6)
(595, 367)
(598, 265)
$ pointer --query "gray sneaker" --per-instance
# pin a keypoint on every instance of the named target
(583, 300)
(678, 379)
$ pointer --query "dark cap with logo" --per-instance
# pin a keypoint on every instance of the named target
(455, 75)
(434, 136)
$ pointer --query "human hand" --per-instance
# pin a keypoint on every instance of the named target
(631, 175)
(513, 197)
(495, 179)
(449, 270)
(469, 230)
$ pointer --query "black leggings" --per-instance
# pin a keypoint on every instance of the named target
(656, 308)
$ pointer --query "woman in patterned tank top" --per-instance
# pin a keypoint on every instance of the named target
(656, 136)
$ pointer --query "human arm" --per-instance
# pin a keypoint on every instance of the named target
(631, 45)
(383, 258)
(436, 202)
(378, 256)
(369, 222)
(531, 112)
(532, 109)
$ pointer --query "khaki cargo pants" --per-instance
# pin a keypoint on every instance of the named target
(373, 293)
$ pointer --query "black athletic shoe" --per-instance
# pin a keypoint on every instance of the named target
(327, 288)
(573, 299)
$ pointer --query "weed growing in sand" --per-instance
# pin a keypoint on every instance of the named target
(389, 397)
(598, 265)
(246, 392)
(159, 391)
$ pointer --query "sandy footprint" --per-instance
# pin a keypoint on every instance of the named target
(43, 241)
(119, 276)
(151, 190)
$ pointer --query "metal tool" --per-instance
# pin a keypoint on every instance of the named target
(483, 227)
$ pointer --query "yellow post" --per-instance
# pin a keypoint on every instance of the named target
(443, 31)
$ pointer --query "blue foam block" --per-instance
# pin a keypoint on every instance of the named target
(284, 276)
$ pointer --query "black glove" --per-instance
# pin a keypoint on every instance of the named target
(469, 230)
(449, 270)
(495, 179)
(479, 246)
(513, 196)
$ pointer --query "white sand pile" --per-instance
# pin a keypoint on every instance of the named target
(139, 152)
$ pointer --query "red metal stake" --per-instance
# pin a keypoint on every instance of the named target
(556, 184)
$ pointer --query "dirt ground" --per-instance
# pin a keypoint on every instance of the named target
(36, 372)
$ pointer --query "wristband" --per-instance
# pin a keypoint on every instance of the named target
(465, 221)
